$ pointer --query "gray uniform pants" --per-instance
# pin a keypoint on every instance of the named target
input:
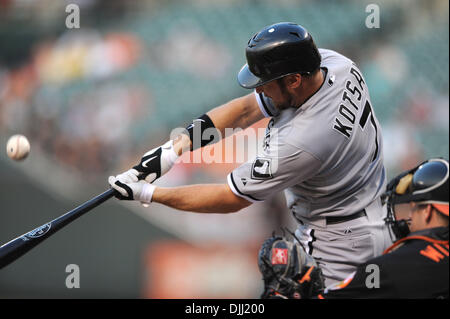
(339, 248)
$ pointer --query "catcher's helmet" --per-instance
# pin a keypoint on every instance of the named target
(276, 51)
(427, 183)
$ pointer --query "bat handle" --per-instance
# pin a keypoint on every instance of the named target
(84, 208)
(97, 200)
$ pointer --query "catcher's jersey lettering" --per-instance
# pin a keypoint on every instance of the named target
(433, 254)
(326, 154)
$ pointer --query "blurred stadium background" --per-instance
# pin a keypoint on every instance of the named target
(92, 100)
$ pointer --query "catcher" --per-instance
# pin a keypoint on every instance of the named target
(415, 266)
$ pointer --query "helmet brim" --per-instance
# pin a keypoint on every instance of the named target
(247, 79)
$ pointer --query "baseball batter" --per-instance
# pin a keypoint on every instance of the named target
(323, 146)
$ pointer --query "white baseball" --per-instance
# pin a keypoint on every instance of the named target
(18, 147)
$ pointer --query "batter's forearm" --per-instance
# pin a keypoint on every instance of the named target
(211, 198)
(238, 113)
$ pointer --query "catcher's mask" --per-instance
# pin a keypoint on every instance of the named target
(427, 183)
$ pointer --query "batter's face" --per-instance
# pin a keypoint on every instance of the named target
(277, 91)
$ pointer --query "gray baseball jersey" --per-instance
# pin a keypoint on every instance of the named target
(327, 154)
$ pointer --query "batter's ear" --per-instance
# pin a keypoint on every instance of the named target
(293, 81)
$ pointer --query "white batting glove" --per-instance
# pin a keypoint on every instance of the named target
(130, 176)
(155, 163)
(140, 190)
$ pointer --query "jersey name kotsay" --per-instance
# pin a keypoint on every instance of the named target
(349, 105)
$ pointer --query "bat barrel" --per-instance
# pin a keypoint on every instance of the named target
(22, 244)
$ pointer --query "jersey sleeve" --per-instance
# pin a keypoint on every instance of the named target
(265, 105)
(271, 172)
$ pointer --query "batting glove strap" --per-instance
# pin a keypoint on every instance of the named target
(146, 194)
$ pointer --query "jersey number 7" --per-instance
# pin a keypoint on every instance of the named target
(363, 121)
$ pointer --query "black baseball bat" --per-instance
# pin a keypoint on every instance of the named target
(22, 244)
